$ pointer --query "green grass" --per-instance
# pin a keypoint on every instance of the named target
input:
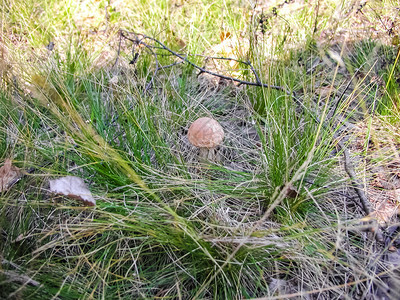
(168, 225)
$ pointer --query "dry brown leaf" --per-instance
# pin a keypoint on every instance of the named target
(8, 175)
(292, 192)
(181, 43)
(224, 35)
(72, 187)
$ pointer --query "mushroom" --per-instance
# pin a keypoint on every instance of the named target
(206, 134)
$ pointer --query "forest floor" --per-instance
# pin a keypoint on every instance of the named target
(103, 195)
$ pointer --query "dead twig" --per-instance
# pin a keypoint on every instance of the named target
(358, 188)
(255, 73)
(118, 52)
(170, 65)
(19, 278)
(13, 276)
(139, 41)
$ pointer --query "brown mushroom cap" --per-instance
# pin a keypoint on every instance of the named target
(205, 133)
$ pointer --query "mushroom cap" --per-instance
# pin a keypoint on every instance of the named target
(205, 133)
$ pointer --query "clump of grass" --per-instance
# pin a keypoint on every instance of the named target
(173, 229)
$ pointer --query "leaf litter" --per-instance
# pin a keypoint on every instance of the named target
(9, 174)
(380, 155)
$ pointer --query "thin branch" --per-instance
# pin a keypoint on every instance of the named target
(148, 86)
(139, 41)
(202, 55)
(202, 70)
(358, 187)
(118, 51)
(170, 65)
(255, 73)
(19, 278)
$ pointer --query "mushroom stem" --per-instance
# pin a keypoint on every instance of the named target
(211, 154)
(203, 153)
(208, 154)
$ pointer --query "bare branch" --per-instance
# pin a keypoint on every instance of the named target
(255, 73)
(19, 278)
(202, 70)
(359, 189)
